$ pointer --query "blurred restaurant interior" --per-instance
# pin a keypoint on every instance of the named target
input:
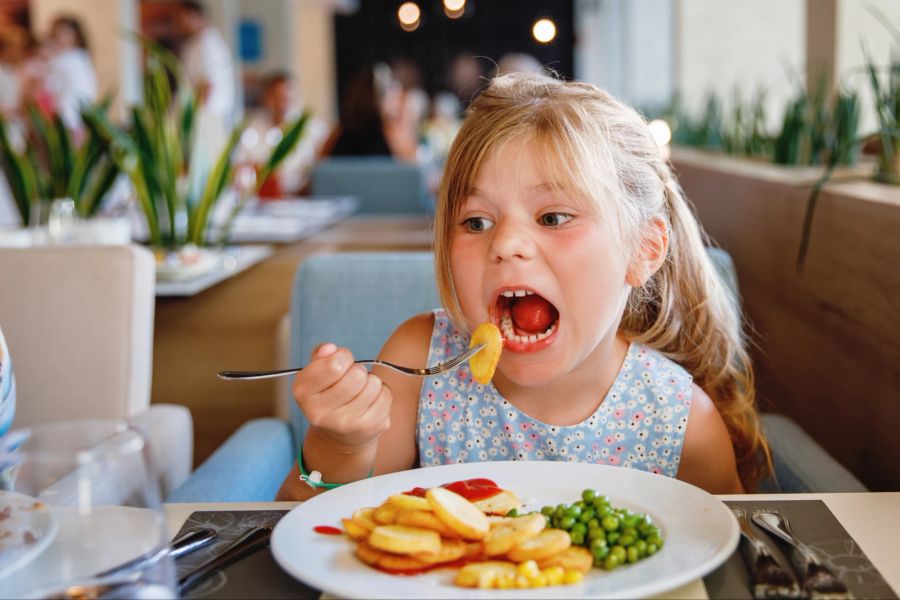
(780, 118)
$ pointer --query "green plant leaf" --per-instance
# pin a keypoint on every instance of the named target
(285, 146)
(19, 174)
(215, 183)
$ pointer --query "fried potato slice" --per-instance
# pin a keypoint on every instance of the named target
(385, 560)
(485, 362)
(504, 537)
(355, 531)
(363, 518)
(424, 520)
(575, 558)
(386, 514)
(543, 545)
(499, 504)
(484, 574)
(410, 502)
(401, 539)
(459, 514)
(450, 550)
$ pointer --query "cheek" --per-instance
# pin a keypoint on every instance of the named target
(464, 269)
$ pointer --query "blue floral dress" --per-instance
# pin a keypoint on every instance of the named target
(640, 423)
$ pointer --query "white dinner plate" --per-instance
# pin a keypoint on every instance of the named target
(699, 531)
(27, 526)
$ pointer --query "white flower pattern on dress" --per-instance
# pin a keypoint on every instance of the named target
(640, 424)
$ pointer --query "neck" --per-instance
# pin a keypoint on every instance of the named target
(578, 394)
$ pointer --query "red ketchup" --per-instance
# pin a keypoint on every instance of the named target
(472, 490)
(327, 530)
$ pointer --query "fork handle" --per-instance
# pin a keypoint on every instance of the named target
(231, 375)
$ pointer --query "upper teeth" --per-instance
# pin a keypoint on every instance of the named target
(516, 293)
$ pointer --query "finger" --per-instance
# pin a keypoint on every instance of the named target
(379, 412)
(345, 390)
(322, 373)
(322, 350)
(357, 413)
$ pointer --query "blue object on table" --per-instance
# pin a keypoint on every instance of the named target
(356, 300)
(382, 185)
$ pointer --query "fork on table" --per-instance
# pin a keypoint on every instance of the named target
(435, 370)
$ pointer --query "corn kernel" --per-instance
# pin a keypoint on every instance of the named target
(522, 582)
(573, 577)
(528, 569)
(539, 580)
(555, 575)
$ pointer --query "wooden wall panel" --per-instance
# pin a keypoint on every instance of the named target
(827, 340)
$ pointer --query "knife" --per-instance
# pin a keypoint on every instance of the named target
(249, 542)
(192, 539)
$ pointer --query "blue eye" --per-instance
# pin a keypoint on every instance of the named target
(554, 219)
(478, 224)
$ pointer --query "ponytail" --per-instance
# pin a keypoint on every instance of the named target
(687, 312)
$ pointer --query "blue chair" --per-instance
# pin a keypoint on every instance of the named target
(382, 185)
(357, 300)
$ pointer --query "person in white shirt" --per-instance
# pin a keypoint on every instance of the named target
(70, 78)
(265, 128)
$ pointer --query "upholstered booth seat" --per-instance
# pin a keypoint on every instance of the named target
(381, 184)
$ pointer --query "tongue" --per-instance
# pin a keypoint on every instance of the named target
(533, 314)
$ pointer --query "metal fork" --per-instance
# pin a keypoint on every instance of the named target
(768, 579)
(439, 368)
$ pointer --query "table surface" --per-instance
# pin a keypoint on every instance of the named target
(872, 519)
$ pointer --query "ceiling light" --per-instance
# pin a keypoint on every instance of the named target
(408, 15)
(544, 30)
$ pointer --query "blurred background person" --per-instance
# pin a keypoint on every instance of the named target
(70, 77)
(466, 77)
(370, 122)
(519, 62)
(209, 67)
(280, 105)
(14, 42)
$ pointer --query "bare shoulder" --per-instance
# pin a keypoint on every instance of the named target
(408, 346)
(707, 459)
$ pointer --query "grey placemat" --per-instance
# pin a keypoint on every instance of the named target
(813, 523)
(258, 576)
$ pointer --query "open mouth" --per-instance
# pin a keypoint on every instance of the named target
(525, 317)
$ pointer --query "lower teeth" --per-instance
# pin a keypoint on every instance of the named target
(506, 327)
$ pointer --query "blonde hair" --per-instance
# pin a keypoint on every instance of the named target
(601, 149)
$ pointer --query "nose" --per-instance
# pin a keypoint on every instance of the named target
(511, 240)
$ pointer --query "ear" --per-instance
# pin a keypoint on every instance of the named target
(651, 254)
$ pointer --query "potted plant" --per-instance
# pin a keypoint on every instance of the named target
(177, 193)
(49, 164)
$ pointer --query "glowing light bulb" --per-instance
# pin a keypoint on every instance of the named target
(408, 15)
(454, 5)
(660, 131)
(544, 30)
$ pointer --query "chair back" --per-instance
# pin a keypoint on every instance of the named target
(381, 184)
(356, 300)
(79, 325)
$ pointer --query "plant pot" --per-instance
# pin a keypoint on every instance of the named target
(889, 169)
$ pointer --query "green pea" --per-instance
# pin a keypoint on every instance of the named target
(641, 547)
(632, 520)
(655, 540)
(580, 528)
(632, 554)
(566, 523)
(612, 537)
(597, 533)
(598, 543)
(587, 515)
(627, 539)
(619, 551)
(580, 504)
(599, 553)
(651, 549)
(593, 523)
(547, 511)
(611, 562)
(577, 538)
(610, 523)
(513, 512)
(604, 511)
(588, 495)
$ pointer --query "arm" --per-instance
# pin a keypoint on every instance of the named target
(707, 459)
(372, 430)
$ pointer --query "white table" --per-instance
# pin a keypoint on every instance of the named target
(233, 260)
(872, 519)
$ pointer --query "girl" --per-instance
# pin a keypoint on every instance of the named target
(558, 220)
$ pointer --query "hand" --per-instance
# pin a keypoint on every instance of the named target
(341, 400)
